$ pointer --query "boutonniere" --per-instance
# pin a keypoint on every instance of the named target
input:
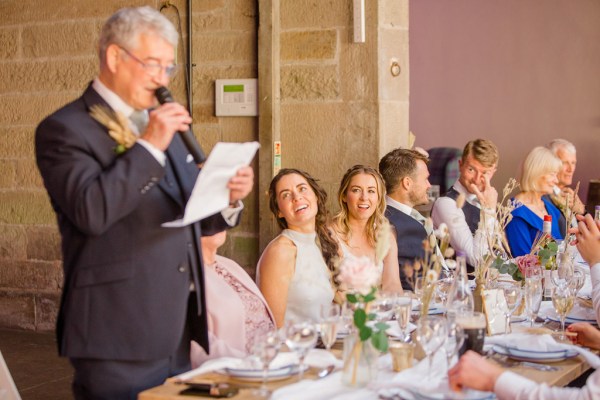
(117, 125)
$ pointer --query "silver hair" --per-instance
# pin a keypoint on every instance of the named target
(557, 144)
(124, 27)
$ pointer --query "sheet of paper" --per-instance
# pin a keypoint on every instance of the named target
(210, 194)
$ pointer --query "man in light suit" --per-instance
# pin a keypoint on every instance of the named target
(133, 293)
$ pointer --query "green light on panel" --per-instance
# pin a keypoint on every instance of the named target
(233, 88)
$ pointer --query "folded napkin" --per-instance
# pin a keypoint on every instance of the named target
(395, 332)
(317, 358)
(524, 341)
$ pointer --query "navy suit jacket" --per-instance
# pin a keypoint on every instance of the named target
(409, 235)
(126, 278)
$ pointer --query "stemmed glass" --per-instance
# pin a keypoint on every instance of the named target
(443, 285)
(266, 347)
(403, 310)
(454, 339)
(330, 318)
(562, 270)
(300, 337)
(431, 333)
(563, 299)
(513, 294)
(533, 297)
(578, 279)
(384, 306)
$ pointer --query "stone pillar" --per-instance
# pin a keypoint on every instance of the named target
(331, 102)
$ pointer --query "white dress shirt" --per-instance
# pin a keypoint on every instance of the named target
(595, 278)
(516, 387)
(230, 214)
(461, 239)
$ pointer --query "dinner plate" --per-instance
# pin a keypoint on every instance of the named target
(465, 394)
(572, 320)
(256, 375)
(534, 355)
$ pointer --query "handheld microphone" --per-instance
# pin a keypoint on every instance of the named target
(164, 96)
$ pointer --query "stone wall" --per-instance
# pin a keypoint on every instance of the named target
(337, 106)
(47, 57)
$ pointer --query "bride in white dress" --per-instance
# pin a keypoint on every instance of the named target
(361, 198)
(295, 270)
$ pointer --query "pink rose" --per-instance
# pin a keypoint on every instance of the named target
(359, 273)
(526, 262)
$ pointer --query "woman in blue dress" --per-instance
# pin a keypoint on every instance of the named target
(538, 179)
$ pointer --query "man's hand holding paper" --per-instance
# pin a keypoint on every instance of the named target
(225, 178)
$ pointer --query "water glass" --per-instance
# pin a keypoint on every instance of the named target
(454, 340)
(513, 294)
(330, 318)
(265, 347)
(533, 297)
(300, 337)
(431, 333)
(562, 269)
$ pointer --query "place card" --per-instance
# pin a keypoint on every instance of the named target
(495, 308)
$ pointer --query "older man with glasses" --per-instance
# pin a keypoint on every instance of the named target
(567, 153)
(133, 292)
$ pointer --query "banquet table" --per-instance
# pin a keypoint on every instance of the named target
(568, 370)
(331, 387)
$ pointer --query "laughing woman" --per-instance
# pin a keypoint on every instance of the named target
(361, 198)
(295, 270)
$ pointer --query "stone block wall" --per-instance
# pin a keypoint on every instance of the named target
(47, 57)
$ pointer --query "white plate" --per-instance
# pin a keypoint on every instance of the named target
(534, 355)
(255, 375)
(572, 320)
(466, 394)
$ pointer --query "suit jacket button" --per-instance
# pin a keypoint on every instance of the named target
(181, 268)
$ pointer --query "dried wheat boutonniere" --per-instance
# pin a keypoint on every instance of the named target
(117, 125)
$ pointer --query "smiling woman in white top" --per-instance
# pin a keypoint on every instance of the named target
(295, 270)
(361, 198)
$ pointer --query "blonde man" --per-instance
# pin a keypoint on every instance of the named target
(477, 167)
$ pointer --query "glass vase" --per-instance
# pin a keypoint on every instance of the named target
(360, 361)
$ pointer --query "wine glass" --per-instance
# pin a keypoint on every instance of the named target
(562, 269)
(403, 310)
(454, 339)
(300, 337)
(563, 299)
(418, 287)
(578, 279)
(443, 285)
(384, 305)
(533, 297)
(330, 318)
(265, 347)
(431, 333)
(513, 294)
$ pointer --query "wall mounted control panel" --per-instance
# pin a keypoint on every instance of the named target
(236, 98)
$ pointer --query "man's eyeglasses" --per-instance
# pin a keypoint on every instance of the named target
(153, 69)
